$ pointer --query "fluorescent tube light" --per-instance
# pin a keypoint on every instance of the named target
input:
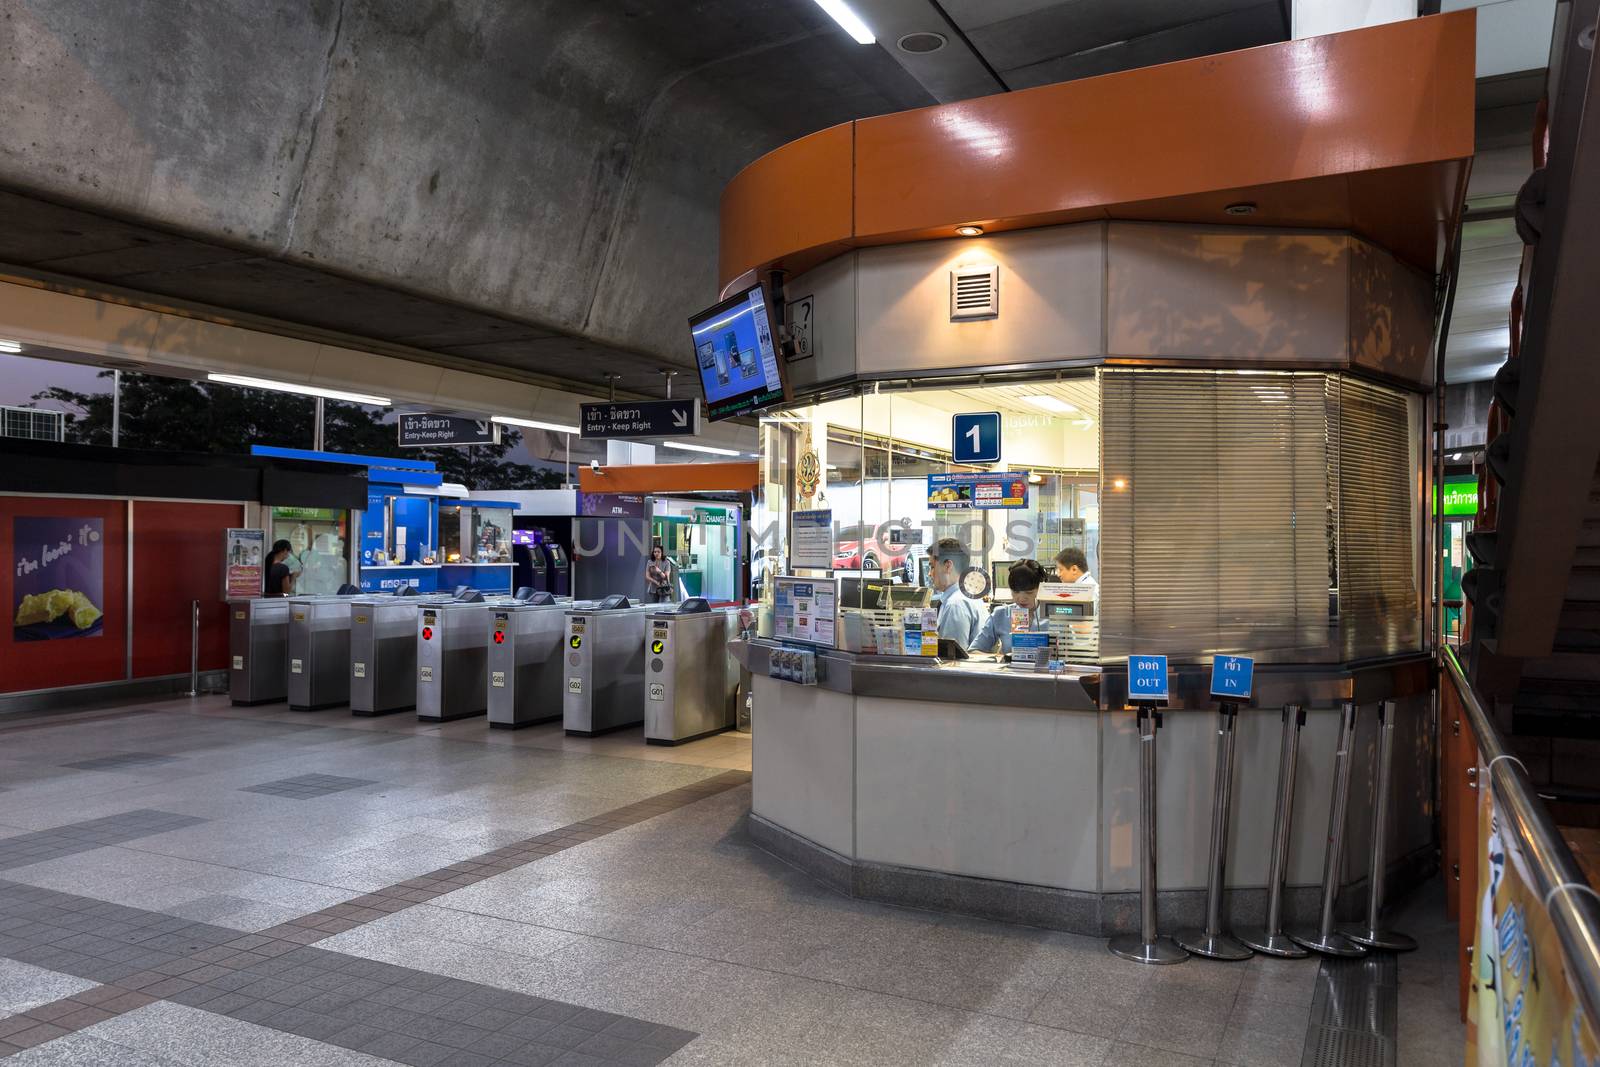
(302, 390)
(1050, 403)
(534, 424)
(11, 347)
(713, 450)
(848, 20)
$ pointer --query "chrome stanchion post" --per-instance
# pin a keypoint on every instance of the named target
(1324, 938)
(1270, 938)
(1213, 941)
(1147, 946)
(194, 649)
(1370, 933)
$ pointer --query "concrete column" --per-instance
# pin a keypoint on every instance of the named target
(627, 453)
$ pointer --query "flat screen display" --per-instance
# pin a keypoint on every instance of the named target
(737, 355)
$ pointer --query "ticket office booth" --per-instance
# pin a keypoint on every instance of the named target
(475, 544)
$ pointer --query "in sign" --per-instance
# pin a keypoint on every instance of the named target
(1147, 679)
(1231, 677)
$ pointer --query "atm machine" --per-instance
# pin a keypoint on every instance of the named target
(452, 657)
(383, 652)
(258, 644)
(527, 670)
(319, 652)
(691, 683)
(559, 568)
(528, 565)
(605, 666)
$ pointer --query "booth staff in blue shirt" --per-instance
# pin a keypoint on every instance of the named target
(1023, 579)
(959, 616)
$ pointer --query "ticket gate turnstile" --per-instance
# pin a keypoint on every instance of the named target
(258, 646)
(605, 667)
(691, 683)
(319, 652)
(452, 678)
(527, 665)
(383, 653)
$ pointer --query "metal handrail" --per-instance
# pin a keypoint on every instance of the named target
(1570, 902)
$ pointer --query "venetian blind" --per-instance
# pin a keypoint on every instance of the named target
(1217, 539)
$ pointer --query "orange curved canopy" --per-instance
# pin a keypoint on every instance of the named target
(1369, 130)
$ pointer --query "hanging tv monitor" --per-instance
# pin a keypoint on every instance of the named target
(736, 351)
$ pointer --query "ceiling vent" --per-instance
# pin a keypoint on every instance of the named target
(974, 293)
(921, 43)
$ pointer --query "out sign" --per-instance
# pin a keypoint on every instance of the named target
(1147, 679)
(1232, 676)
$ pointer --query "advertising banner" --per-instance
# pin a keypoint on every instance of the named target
(1008, 489)
(1522, 1010)
(59, 567)
(243, 556)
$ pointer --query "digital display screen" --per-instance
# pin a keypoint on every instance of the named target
(737, 355)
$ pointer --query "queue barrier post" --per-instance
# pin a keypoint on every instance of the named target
(1323, 937)
(1214, 942)
(1147, 946)
(1370, 933)
(1270, 938)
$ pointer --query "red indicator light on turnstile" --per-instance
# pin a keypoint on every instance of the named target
(427, 633)
(499, 637)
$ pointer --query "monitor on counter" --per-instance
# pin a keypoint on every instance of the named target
(736, 351)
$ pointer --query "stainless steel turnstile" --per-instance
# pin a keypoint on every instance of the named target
(527, 671)
(452, 676)
(258, 643)
(691, 683)
(383, 653)
(319, 652)
(605, 667)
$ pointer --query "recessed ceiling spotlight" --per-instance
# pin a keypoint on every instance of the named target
(921, 43)
(970, 231)
(1243, 207)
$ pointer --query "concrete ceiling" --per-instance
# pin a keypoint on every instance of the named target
(531, 186)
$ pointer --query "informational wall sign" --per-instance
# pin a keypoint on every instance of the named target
(58, 570)
(242, 554)
(1232, 677)
(805, 610)
(421, 429)
(1460, 495)
(975, 437)
(802, 339)
(641, 418)
(1147, 679)
(1008, 489)
(811, 539)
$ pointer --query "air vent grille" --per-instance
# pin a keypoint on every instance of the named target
(974, 293)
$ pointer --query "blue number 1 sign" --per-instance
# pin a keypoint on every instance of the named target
(976, 437)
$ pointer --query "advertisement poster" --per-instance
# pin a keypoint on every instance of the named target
(242, 560)
(1522, 1008)
(1008, 489)
(59, 567)
(805, 611)
(811, 541)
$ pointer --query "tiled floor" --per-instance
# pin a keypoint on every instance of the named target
(197, 884)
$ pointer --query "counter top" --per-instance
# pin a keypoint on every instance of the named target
(1091, 688)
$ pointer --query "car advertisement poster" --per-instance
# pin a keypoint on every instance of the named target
(58, 566)
(1007, 489)
(242, 554)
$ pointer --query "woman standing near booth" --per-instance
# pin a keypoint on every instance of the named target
(280, 578)
(658, 576)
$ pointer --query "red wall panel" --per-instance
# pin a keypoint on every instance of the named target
(177, 559)
(72, 660)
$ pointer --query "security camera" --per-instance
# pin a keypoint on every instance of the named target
(594, 465)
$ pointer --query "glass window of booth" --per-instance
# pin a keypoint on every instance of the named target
(491, 535)
(1275, 514)
(319, 539)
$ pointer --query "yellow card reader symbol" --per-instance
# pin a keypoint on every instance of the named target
(657, 647)
(576, 641)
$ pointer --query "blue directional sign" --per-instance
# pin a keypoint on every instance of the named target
(1232, 676)
(1147, 679)
(976, 437)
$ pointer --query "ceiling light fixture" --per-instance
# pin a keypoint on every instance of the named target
(534, 424)
(921, 42)
(1050, 403)
(299, 389)
(1244, 207)
(970, 231)
(713, 450)
(848, 20)
(12, 347)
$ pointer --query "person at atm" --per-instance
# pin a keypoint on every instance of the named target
(1073, 566)
(1023, 579)
(959, 616)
